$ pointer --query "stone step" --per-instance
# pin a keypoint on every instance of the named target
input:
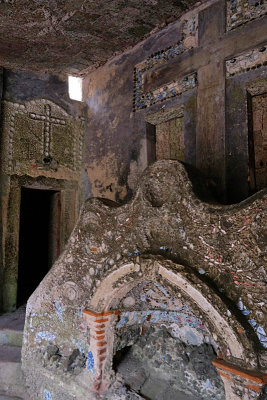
(11, 328)
(12, 338)
(11, 377)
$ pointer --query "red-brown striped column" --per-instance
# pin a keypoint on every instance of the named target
(240, 383)
(101, 341)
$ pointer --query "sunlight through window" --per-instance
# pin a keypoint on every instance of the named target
(75, 88)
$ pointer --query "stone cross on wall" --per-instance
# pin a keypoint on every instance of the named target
(40, 134)
(48, 120)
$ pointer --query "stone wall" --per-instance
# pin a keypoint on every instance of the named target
(161, 365)
(41, 148)
(1, 185)
(191, 63)
(204, 70)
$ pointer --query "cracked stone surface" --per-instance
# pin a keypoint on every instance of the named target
(74, 36)
(154, 368)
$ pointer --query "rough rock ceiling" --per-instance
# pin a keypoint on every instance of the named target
(74, 35)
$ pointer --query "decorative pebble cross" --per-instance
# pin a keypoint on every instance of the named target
(48, 120)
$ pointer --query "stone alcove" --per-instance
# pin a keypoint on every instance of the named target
(159, 364)
(146, 300)
(169, 351)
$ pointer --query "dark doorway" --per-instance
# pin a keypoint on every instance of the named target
(39, 238)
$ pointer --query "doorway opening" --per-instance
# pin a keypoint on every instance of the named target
(39, 238)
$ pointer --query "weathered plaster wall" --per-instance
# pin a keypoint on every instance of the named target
(24, 86)
(115, 141)
(184, 64)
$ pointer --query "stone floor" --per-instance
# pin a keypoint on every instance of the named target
(13, 321)
(11, 335)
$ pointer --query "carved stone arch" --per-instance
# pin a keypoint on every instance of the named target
(105, 307)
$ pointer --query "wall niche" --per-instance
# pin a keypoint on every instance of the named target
(167, 129)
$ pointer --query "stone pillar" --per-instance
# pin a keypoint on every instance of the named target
(101, 341)
(239, 383)
(210, 138)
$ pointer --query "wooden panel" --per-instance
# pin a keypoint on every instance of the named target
(162, 141)
(170, 139)
(176, 127)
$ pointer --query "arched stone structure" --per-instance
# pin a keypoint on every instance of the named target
(109, 294)
(211, 254)
(104, 310)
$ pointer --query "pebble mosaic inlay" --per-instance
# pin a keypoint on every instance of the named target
(140, 317)
(257, 328)
(91, 362)
(47, 395)
(189, 40)
(48, 120)
(144, 100)
(241, 11)
(34, 133)
(252, 59)
(222, 280)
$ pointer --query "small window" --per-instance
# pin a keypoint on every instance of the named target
(75, 88)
